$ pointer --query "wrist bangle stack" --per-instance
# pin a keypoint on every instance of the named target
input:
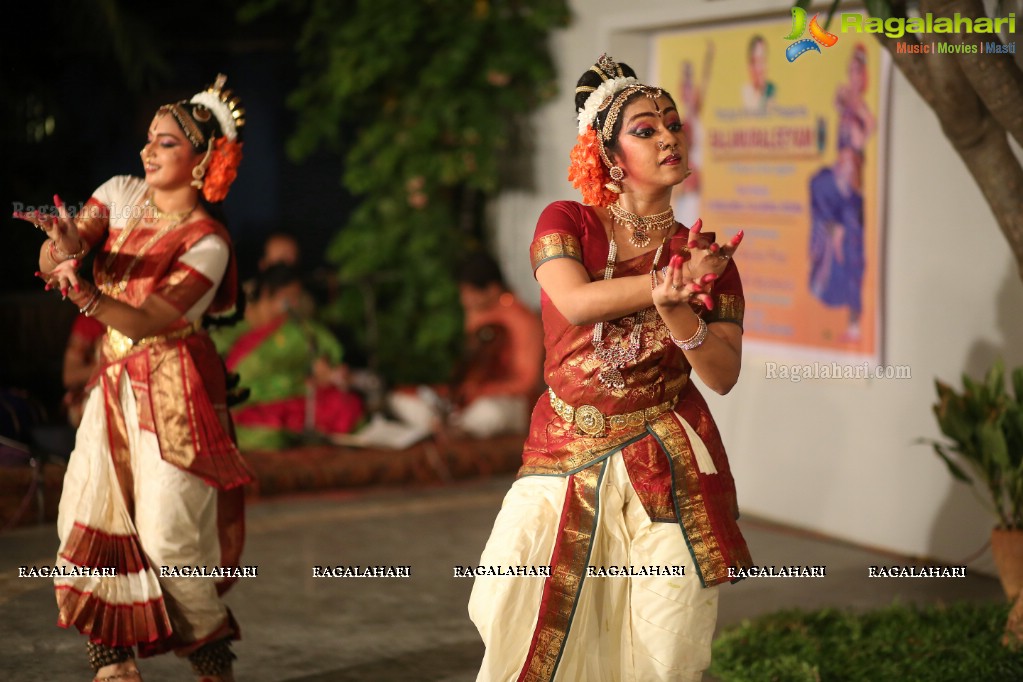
(89, 307)
(694, 341)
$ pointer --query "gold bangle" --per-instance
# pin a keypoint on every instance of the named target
(55, 251)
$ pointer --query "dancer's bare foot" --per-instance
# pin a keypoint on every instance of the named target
(118, 672)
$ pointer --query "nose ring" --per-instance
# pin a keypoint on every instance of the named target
(662, 146)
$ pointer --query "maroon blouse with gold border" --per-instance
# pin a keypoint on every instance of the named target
(657, 454)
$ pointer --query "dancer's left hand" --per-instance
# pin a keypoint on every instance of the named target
(709, 258)
(676, 289)
(63, 278)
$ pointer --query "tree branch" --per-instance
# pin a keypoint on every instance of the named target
(1017, 35)
(995, 78)
(999, 176)
(911, 66)
(975, 134)
(958, 106)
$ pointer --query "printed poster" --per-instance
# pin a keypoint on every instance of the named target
(792, 153)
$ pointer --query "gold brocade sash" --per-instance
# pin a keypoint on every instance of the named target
(173, 402)
(119, 345)
(591, 421)
(568, 572)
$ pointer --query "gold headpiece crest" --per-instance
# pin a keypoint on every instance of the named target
(222, 104)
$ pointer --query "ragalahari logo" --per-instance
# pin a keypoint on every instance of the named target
(818, 35)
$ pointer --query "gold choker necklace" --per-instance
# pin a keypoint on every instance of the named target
(151, 210)
(639, 226)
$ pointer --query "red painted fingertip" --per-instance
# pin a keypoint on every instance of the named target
(57, 202)
(676, 261)
(47, 287)
(737, 238)
(78, 288)
(697, 226)
(696, 287)
(708, 278)
(714, 248)
(708, 302)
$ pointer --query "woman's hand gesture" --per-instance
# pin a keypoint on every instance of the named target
(60, 228)
(676, 289)
(709, 258)
(63, 278)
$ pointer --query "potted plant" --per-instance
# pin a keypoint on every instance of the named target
(983, 426)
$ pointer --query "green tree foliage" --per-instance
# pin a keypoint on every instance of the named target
(426, 99)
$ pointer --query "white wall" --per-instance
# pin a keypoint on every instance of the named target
(834, 456)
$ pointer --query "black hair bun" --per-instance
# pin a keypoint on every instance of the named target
(605, 69)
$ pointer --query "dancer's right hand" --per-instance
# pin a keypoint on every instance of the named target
(57, 226)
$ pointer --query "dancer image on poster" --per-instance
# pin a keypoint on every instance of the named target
(685, 197)
(837, 260)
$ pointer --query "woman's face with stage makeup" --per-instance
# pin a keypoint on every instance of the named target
(652, 147)
(168, 158)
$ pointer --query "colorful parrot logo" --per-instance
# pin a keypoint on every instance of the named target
(819, 35)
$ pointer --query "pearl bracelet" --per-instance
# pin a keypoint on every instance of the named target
(694, 341)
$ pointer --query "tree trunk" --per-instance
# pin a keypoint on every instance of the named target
(978, 99)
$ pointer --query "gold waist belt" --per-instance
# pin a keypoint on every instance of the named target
(120, 345)
(592, 421)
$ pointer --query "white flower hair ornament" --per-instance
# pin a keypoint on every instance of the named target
(596, 99)
(223, 106)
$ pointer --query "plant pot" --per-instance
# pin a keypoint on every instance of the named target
(1007, 550)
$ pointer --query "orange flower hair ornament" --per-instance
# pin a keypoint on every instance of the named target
(225, 153)
(587, 171)
(590, 170)
(222, 170)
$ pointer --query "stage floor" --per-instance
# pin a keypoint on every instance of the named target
(299, 628)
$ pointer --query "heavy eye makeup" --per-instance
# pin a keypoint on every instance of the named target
(643, 131)
(164, 140)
